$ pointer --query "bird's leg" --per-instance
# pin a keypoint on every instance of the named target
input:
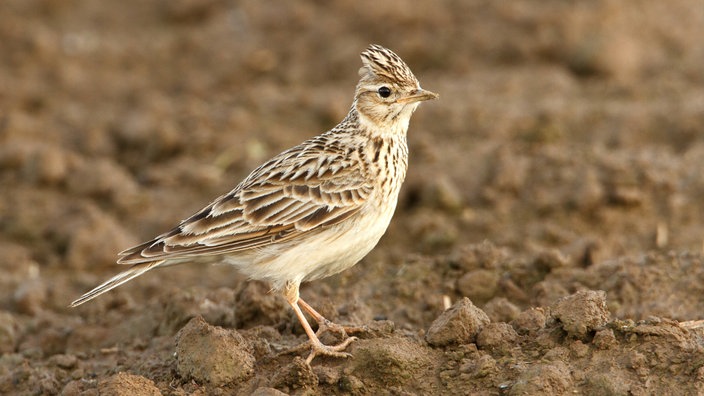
(325, 325)
(317, 347)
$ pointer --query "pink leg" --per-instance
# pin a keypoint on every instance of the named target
(317, 347)
(324, 324)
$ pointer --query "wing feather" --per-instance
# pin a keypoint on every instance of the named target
(295, 193)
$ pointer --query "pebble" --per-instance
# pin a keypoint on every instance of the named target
(63, 361)
(497, 337)
(209, 354)
(481, 255)
(544, 379)
(381, 359)
(530, 321)
(479, 285)
(264, 391)
(604, 339)
(125, 384)
(550, 260)
(582, 312)
(608, 383)
(296, 377)
(458, 325)
(501, 309)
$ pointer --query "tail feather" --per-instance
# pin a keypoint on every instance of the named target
(117, 280)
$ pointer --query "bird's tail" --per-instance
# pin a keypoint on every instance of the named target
(117, 280)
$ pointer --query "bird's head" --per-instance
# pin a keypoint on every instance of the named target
(387, 92)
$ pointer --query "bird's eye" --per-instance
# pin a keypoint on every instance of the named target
(384, 92)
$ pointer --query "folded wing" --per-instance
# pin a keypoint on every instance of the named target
(293, 194)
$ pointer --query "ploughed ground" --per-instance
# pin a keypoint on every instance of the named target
(548, 239)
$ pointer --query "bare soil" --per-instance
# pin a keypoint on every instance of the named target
(553, 202)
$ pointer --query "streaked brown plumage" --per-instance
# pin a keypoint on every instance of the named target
(313, 210)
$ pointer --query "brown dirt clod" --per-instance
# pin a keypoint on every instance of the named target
(125, 384)
(459, 324)
(296, 377)
(582, 313)
(213, 355)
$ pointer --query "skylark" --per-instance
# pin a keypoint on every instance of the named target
(310, 212)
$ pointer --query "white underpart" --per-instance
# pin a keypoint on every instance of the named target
(326, 253)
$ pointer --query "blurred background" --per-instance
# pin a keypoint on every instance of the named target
(572, 128)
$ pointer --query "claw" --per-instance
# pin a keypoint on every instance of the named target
(326, 325)
(318, 348)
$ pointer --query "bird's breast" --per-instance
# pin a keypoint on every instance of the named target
(389, 162)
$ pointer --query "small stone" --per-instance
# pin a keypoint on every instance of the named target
(501, 309)
(582, 312)
(608, 383)
(579, 349)
(379, 359)
(327, 375)
(459, 324)
(496, 337)
(479, 367)
(212, 354)
(544, 379)
(45, 384)
(483, 255)
(549, 260)
(268, 392)
(65, 362)
(530, 321)
(479, 285)
(604, 339)
(296, 376)
(125, 384)
(352, 385)
(74, 387)
(377, 329)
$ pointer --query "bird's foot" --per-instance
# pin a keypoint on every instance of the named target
(326, 325)
(318, 348)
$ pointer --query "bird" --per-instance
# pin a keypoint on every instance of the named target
(309, 212)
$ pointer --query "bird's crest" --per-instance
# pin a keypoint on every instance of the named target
(383, 63)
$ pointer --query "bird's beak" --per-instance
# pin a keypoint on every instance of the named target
(419, 95)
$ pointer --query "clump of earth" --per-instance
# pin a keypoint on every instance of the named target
(548, 239)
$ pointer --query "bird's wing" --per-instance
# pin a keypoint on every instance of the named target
(313, 185)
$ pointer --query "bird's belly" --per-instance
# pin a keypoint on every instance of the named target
(320, 254)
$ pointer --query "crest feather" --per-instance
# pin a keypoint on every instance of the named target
(382, 62)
